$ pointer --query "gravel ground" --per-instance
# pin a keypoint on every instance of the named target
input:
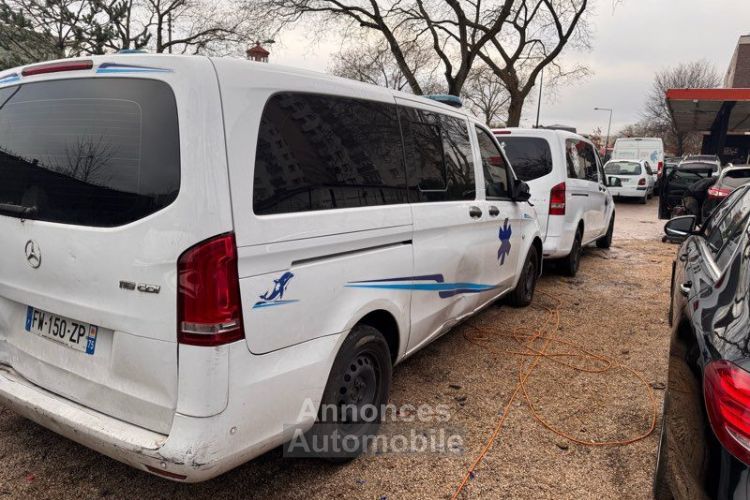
(616, 307)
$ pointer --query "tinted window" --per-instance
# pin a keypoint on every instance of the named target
(321, 152)
(581, 160)
(494, 166)
(622, 168)
(95, 152)
(648, 169)
(723, 221)
(530, 157)
(438, 156)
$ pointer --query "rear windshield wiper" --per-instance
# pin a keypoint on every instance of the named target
(18, 210)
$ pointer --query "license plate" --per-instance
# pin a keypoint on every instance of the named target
(74, 334)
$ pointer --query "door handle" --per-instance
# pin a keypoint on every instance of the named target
(685, 288)
(475, 212)
(494, 211)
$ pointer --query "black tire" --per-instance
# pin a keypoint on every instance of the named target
(643, 200)
(606, 240)
(360, 378)
(572, 261)
(523, 293)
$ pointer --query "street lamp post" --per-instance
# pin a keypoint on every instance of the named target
(609, 126)
(539, 103)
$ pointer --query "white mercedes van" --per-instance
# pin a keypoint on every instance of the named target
(568, 190)
(195, 249)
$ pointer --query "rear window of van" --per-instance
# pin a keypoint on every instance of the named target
(97, 152)
(530, 157)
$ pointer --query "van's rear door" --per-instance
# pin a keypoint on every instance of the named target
(95, 208)
(531, 160)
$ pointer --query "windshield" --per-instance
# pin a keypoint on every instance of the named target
(96, 152)
(622, 168)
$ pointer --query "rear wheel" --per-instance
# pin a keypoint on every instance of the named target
(571, 262)
(523, 294)
(643, 200)
(606, 240)
(355, 394)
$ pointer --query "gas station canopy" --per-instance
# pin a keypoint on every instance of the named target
(719, 111)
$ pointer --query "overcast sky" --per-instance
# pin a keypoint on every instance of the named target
(631, 43)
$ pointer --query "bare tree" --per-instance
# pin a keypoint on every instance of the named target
(506, 34)
(195, 26)
(656, 115)
(128, 21)
(487, 96)
(58, 28)
(536, 34)
(371, 61)
(454, 30)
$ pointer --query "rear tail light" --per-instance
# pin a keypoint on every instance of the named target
(557, 200)
(208, 297)
(714, 192)
(726, 388)
(642, 182)
(56, 67)
(659, 167)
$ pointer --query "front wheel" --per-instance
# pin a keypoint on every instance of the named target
(606, 240)
(355, 395)
(523, 294)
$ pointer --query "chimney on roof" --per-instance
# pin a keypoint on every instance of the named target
(257, 53)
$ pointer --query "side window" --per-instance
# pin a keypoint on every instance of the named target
(438, 156)
(494, 166)
(319, 152)
(581, 160)
(648, 169)
(724, 221)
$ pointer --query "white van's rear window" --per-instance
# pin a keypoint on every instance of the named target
(94, 152)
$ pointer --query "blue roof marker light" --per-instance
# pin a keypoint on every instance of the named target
(450, 100)
(132, 51)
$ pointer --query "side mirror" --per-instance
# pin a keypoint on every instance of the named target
(681, 227)
(614, 182)
(521, 191)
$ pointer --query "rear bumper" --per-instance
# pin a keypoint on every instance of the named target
(629, 192)
(266, 399)
(557, 247)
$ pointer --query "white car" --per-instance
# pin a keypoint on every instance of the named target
(650, 149)
(568, 190)
(635, 176)
(198, 253)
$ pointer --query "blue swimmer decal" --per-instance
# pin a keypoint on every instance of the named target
(275, 296)
(504, 235)
(445, 290)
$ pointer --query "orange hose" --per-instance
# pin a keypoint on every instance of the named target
(527, 341)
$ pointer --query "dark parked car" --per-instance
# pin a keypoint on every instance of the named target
(729, 179)
(676, 184)
(705, 439)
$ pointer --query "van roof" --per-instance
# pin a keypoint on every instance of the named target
(14, 75)
(537, 132)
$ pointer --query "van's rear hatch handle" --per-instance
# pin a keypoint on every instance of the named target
(18, 210)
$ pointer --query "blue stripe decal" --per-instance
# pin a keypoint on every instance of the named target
(111, 68)
(258, 305)
(13, 77)
(445, 290)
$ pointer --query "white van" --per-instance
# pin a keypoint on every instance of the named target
(194, 250)
(568, 190)
(650, 149)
